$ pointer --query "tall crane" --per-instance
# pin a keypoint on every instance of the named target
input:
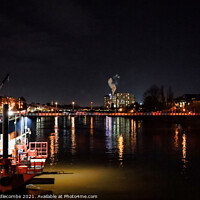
(4, 80)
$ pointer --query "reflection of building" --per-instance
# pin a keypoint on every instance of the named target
(119, 100)
(188, 103)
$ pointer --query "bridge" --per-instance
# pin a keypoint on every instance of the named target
(139, 114)
(110, 114)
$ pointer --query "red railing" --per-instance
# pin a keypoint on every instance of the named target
(40, 147)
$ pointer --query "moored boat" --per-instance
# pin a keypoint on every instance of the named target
(26, 162)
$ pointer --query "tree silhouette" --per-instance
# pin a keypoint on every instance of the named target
(154, 99)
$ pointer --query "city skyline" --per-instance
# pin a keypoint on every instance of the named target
(65, 51)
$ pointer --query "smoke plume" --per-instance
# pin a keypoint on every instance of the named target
(112, 82)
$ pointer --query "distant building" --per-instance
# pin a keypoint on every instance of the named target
(124, 100)
(188, 103)
(9, 100)
(14, 104)
(22, 105)
(119, 100)
(107, 101)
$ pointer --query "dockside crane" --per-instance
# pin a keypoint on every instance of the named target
(4, 80)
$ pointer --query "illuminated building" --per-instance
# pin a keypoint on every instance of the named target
(8, 100)
(14, 104)
(124, 100)
(22, 104)
(188, 103)
(107, 101)
(119, 100)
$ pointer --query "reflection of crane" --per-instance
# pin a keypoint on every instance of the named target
(4, 80)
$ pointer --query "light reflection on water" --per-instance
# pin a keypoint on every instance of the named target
(120, 136)
(184, 151)
(73, 137)
(177, 139)
(91, 134)
(88, 145)
(121, 149)
(54, 144)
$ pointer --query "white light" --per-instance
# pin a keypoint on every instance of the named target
(10, 113)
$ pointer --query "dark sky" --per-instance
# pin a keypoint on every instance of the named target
(66, 50)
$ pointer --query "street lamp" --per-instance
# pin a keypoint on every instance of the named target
(56, 105)
(91, 104)
(73, 105)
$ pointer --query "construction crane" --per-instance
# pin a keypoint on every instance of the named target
(4, 80)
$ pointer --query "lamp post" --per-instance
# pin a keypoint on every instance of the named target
(91, 104)
(56, 105)
(73, 105)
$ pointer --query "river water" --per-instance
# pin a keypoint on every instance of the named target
(121, 158)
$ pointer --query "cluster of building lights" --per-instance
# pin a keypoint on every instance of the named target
(119, 100)
(14, 104)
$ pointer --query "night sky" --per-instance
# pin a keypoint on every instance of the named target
(66, 50)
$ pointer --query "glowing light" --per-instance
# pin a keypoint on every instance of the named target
(73, 122)
(52, 148)
(132, 127)
(109, 134)
(176, 138)
(184, 151)
(91, 134)
(73, 138)
(108, 125)
(10, 113)
(120, 149)
(91, 104)
(91, 125)
(56, 123)
(73, 104)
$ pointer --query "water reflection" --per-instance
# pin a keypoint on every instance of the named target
(113, 141)
(181, 146)
(69, 121)
(133, 135)
(184, 151)
(64, 122)
(85, 120)
(108, 126)
(54, 145)
(121, 137)
(72, 122)
(120, 149)
(176, 137)
(73, 137)
(139, 124)
(52, 148)
(65, 140)
(91, 134)
(108, 134)
(91, 125)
